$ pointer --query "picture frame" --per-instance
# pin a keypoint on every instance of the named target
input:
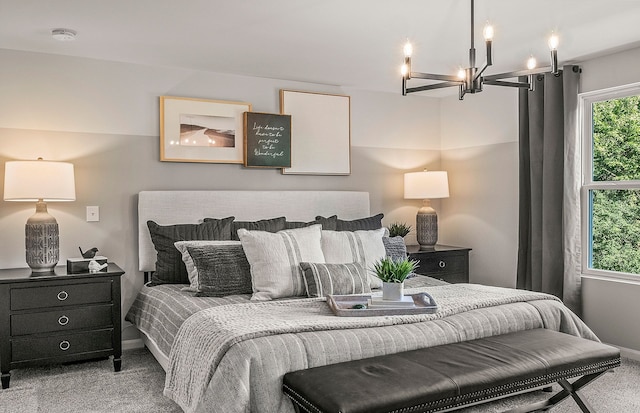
(320, 132)
(201, 130)
(267, 140)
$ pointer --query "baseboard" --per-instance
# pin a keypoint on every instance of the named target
(132, 344)
(629, 353)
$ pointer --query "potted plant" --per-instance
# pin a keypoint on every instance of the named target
(392, 273)
(399, 229)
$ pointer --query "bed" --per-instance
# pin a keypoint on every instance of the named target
(229, 354)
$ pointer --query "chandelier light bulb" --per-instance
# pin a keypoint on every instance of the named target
(531, 63)
(553, 42)
(408, 49)
(461, 74)
(488, 32)
(404, 70)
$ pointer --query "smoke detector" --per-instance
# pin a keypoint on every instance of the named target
(63, 35)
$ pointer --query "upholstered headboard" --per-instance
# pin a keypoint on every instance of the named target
(177, 207)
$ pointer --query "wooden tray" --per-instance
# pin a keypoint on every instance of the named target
(342, 306)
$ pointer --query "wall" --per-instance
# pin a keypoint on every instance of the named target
(104, 118)
(480, 151)
(610, 307)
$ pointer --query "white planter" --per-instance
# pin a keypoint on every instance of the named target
(392, 291)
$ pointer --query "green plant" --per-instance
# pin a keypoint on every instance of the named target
(394, 271)
(399, 229)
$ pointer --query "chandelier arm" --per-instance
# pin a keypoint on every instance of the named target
(508, 84)
(432, 87)
(433, 76)
(486, 65)
(518, 73)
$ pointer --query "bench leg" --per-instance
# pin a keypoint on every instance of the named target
(568, 389)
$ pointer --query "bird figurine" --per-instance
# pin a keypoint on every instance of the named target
(88, 253)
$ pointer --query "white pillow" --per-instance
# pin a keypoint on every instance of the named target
(192, 271)
(365, 247)
(275, 259)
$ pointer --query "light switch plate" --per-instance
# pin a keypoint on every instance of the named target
(93, 214)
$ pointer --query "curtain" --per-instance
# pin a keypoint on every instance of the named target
(549, 215)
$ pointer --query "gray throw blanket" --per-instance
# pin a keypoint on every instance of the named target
(205, 339)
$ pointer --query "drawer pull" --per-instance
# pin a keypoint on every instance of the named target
(63, 295)
(64, 345)
(63, 320)
(442, 264)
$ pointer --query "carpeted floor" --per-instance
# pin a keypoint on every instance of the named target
(93, 387)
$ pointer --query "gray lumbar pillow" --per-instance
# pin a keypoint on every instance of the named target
(216, 269)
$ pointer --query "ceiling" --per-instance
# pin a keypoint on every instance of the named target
(350, 43)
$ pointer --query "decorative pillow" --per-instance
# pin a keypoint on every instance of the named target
(268, 225)
(395, 247)
(334, 223)
(324, 279)
(299, 224)
(169, 266)
(275, 259)
(216, 268)
(328, 224)
(364, 247)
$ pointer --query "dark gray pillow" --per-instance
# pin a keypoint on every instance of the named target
(268, 225)
(169, 266)
(300, 224)
(324, 279)
(221, 270)
(333, 223)
(395, 248)
(328, 224)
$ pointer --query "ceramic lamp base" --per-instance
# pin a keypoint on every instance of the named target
(42, 240)
(427, 226)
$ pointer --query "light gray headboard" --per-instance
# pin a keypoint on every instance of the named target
(179, 207)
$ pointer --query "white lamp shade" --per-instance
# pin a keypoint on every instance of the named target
(34, 180)
(426, 185)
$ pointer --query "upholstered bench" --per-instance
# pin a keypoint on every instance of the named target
(454, 376)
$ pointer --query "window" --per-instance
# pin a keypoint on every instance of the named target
(611, 181)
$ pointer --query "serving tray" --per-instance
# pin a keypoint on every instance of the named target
(342, 306)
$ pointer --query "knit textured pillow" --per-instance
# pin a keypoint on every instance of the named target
(395, 248)
(169, 266)
(324, 279)
(216, 268)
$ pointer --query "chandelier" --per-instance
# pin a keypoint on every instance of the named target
(471, 79)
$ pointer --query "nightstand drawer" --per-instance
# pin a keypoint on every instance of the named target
(61, 320)
(30, 349)
(62, 295)
(442, 264)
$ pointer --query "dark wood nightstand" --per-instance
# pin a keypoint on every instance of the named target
(445, 262)
(58, 317)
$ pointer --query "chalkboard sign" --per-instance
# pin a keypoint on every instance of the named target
(267, 140)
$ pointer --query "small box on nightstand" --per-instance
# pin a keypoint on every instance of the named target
(81, 265)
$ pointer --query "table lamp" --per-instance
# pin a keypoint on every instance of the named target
(426, 185)
(40, 182)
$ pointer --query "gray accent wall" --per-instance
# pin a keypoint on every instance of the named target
(104, 118)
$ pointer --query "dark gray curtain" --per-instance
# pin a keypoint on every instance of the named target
(543, 116)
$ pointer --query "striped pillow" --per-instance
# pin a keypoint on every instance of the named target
(324, 279)
(365, 247)
(275, 259)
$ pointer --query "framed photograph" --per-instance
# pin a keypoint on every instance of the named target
(320, 132)
(200, 130)
(267, 140)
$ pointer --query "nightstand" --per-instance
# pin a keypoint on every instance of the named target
(445, 262)
(58, 317)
